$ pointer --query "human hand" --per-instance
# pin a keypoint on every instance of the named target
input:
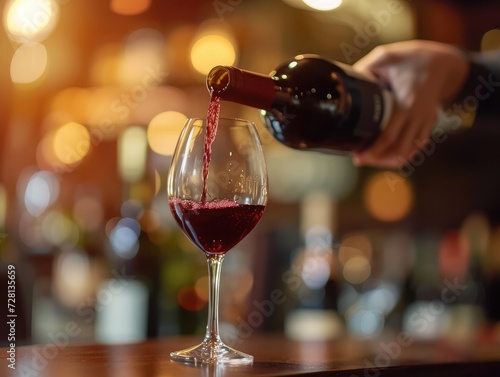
(422, 76)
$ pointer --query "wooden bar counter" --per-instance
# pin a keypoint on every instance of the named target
(390, 355)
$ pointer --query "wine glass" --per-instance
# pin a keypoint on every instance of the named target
(216, 208)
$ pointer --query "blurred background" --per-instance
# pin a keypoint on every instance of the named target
(93, 96)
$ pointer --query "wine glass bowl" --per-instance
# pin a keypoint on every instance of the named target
(217, 194)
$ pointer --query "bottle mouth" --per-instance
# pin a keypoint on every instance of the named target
(218, 79)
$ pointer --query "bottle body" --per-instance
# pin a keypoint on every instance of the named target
(312, 103)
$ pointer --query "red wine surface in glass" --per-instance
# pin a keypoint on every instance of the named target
(212, 123)
(216, 226)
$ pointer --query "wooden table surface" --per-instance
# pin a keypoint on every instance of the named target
(273, 355)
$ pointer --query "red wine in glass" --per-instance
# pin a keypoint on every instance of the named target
(215, 227)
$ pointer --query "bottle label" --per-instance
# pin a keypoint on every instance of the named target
(373, 103)
(372, 111)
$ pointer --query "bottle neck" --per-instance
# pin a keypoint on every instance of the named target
(241, 86)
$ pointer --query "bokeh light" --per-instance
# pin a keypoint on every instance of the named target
(312, 325)
(131, 208)
(3, 206)
(149, 220)
(105, 63)
(28, 63)
(129, 8)
(124, 238)
(189, 300)
(164, 130)
(71, 143)
(432, 329)
(167, 98)
(201, 288)
(388, 198)
(357, 270)
(108, 112)
(71, 282)
(354, 245)
(72, 102)
(383, 298)
(365, 323)
(210, 51)
(323, 5)
(315, 271)
(491, 40)
(142, 64)
(59, 230)
(42, 190)
(132, 154)
(476, 230)
(46, 158)
(30, 20)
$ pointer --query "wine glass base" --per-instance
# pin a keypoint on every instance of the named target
(211, 353)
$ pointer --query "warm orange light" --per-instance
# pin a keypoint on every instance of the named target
(142, 63)
(149, 221)
(157, 182)
(189, 300)
(164, 130)
(72, 277)
(201, 288)
(386, 199)
(45, 156)
(72, 102)
(108, 112)
(28, 63)
(71, 143)
(132, 154)
(323, 5)
(490, 40)
(105, 64)
(355, 245)
(357, 270)
(211, 50)
(3, 208)
(30, 20)
(130, 7)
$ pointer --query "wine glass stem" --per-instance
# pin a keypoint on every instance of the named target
(214, 271)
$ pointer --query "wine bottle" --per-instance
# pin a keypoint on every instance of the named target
(310, 102)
